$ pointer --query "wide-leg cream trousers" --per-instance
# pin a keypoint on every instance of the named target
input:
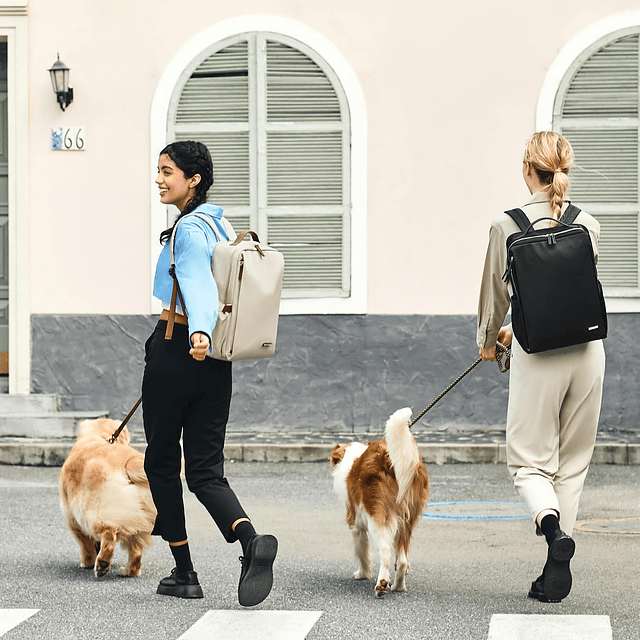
(552, 420)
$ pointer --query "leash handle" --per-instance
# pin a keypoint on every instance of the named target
(501, 350)
(118, 431)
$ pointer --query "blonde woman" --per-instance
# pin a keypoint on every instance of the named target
(554, 396)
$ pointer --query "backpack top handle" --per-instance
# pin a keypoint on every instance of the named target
(524, 224)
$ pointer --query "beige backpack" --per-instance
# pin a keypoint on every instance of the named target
(248, 275)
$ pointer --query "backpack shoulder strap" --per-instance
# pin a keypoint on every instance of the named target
(520, 218)
(570, 214)
(172, 240)
(229, 229)
(209, 222)
(225, 223)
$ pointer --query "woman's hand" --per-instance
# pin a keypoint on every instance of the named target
(505, 337)
(488, 354)
(200, 344)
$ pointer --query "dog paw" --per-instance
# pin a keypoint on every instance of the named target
(128, 573)
(381, 588)
(101, 569)
(361, 575)
(399, 587)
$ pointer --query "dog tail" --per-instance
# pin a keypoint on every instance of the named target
(403, 451)
(134, 468)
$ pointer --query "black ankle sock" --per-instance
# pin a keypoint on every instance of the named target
(549, 525)
(182, 556)
(244, 531)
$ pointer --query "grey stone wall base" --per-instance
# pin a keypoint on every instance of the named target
(330, 373)
(49, 453)
(90, 361)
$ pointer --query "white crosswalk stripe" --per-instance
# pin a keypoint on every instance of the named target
(245, 625)
(533, 627)
(11, 618)
(296, 625)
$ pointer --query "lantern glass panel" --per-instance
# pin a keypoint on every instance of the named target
(59, 77)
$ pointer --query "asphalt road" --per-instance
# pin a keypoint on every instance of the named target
(463, 571)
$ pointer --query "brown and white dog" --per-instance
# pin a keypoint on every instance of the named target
(104, 494)
(385, 486)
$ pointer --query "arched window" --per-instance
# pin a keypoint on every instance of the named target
(275, 118)
(597, 109)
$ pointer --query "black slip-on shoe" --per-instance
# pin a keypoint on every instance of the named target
(557, 575)
(256, 577)
(537, 588)
(180, 585)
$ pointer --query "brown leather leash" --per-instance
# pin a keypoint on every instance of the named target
(501, 351)
(118, 431)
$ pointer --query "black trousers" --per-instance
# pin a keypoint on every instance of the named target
(184, 397)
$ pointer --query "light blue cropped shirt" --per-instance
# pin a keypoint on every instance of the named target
(194, 245)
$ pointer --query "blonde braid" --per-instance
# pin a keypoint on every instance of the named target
(557, 190)
(551, 155)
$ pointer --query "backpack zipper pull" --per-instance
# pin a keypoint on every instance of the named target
(551, 239)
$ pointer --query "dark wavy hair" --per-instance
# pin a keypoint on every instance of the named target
(191, 157)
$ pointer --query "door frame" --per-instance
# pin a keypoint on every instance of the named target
(14, 29)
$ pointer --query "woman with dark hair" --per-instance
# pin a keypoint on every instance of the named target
(185, 393)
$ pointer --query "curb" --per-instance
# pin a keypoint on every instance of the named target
(53, 454)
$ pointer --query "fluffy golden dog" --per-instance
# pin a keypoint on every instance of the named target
(104, 494)
(385, 486)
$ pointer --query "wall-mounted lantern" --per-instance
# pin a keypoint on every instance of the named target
(59, 73)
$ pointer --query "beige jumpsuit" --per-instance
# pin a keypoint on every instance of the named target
(554, 397)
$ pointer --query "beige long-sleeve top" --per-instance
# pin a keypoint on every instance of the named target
(495, 294)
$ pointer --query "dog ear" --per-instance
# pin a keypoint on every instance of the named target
(84, 427)
(337, 454)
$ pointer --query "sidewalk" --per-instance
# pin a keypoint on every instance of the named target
(437, 447)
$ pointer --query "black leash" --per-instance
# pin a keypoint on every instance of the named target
(118, 431)
(501, 351)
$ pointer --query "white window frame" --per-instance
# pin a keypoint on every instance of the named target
(579, 49)
(356, 303)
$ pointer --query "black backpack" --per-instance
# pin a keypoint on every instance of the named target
(557, 299)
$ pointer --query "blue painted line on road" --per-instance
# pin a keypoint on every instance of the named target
(472, 516)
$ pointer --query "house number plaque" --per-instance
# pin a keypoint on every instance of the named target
(67, 138)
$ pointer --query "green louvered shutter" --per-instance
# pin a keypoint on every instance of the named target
(597, 111)
(275, 120)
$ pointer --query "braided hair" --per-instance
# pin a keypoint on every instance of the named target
(551, 155)
(191, 158)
